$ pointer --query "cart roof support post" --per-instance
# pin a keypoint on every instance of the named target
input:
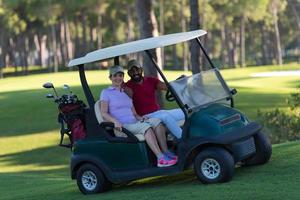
(89, 96)
(116, 60)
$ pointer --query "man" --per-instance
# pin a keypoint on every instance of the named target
(142, 90)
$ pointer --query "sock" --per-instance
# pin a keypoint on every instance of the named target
(169, 154)
(159, 156)
(162, 155)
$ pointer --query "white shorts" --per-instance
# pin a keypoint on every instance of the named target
(142, 127)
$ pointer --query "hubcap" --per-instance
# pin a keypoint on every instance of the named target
(210, 168)
(89, 180)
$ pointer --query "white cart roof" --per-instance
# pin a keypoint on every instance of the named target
(136, 46)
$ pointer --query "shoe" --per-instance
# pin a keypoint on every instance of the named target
(165, 162)
(171, 155)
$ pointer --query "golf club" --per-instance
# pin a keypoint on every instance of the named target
(50, 85)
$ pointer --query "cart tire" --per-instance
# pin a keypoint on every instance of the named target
(91, 180)
(263, 150)
(214, 165)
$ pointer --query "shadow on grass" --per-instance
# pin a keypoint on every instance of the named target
(27, 112)
(46, 156)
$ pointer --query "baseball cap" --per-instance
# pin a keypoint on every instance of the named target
(115, 69)
(133, 63)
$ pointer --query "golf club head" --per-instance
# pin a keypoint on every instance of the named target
(49, 96)
(48, 85)
(66, 87)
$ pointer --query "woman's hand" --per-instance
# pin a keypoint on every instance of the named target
(142, 118)
(118, 125)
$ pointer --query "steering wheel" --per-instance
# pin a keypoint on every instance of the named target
(169, 96)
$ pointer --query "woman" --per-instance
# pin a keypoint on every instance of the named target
(117, 107)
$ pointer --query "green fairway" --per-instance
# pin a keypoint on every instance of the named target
(32, 166)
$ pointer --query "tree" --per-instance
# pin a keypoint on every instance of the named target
(148, 28)
(194, 48)
(275, 7)
(248, 10)
(295, 7)
(2, 40)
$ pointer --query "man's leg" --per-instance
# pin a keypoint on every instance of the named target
(177, 114)
(169, 122)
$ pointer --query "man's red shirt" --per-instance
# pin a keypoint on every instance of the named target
(144, 98)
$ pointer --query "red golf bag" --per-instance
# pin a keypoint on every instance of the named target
(72, 115)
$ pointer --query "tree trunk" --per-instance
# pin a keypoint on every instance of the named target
(264, 44)
(297, 17)
(1, 72)
(38, 49)
(62, 44)
(274, 9)
(148, 28)
(184, 44)
(130, 24)
(26, 53)
(12, 48)
(194, 47)
(235, 42)
(99, 35)
(54, 48)
(43, 44)
(68, 41)
(224, 50)
(230, 46)
(175, 58)
(22, 53)
(84, 34)
(92, 38)
(77, 41)
(203, 60)
(3, 48)
(162, 29)
(242, 42)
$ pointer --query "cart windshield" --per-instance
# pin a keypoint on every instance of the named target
(201, 89)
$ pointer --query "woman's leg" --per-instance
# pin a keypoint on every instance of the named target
(160, 132)
(152, 142)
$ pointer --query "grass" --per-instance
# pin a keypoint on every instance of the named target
(33, 167)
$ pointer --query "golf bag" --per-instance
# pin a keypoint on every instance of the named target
(71, 118)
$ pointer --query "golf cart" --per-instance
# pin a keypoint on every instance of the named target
(215, 135)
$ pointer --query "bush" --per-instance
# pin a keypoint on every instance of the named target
(282, 127)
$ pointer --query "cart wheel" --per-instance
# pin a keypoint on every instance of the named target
(263, 151)
(214, 165)
(91, 180)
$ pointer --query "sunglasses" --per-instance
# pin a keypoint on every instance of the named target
(135, 70)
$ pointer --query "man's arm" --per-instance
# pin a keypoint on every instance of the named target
(161, 86)
(127, 90)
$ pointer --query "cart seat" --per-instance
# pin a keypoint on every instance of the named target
(117, 133)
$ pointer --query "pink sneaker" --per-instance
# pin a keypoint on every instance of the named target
(163, 162)
(173, 157)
